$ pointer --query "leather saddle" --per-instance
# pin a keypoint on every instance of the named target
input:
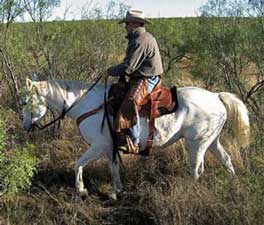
(160, 101)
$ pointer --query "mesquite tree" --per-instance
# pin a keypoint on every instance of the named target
(229, 46)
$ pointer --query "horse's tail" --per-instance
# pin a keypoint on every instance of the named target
(238, 113)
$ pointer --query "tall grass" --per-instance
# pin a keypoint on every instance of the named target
(159, 190)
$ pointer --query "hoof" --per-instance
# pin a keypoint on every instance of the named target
(117, 196)
(83, 193)
(113, 196)
(111, 200)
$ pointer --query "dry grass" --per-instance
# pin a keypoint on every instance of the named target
(159, 190)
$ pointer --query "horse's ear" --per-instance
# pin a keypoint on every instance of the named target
(34, 77)
(29, 83)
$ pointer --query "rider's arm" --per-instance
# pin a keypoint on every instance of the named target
(135, 55)
(118, 70)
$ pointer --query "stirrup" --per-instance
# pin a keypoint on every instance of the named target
(129, 147)
(125, 149)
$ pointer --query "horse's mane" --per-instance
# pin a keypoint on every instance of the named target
(66, 86)
(69, 84)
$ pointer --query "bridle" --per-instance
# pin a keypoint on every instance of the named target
(65, 110)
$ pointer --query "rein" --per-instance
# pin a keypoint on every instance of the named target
(106, 116)
(112, 132)
(64, 110)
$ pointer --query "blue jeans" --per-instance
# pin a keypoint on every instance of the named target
(135, 130)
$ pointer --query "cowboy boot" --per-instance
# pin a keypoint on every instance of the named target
(125, 143)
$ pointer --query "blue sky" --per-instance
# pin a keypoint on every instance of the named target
(152, 8)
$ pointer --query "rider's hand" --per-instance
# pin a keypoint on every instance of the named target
(105, 75)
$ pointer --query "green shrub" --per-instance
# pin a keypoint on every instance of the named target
(17, 165)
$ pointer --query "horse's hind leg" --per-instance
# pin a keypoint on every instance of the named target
(219, 152)
(197, 149)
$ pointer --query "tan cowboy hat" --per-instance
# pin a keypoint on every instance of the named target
(135, 16)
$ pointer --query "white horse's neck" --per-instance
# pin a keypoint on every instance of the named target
(61, 94)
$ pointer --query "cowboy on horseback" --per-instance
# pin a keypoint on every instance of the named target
(143, 66)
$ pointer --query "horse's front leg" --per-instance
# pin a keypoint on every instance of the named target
(93, 153)
(114, 168)
(79, 181)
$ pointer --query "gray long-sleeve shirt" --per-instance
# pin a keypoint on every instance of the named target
(142, 56)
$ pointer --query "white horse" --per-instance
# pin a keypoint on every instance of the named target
(199, 120)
